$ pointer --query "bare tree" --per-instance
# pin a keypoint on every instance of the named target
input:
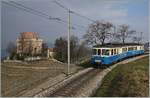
(83, 51)
(123, 33)
(22, 43)
(44, 49)
(78, 50)
(61, 47)
(11, 49)
(29, 50)
(74, 42)
(136, 39)
(98, 32)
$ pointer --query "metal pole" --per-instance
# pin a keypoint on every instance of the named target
(141, 37)
(114, 29)
(114, 33)
(68, 42)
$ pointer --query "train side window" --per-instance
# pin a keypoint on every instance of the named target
(124, 49)
(130, 48)
(99, 51)
(141, 48)
(112, 52)
(117, 51)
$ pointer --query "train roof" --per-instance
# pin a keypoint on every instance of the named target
(111, 45)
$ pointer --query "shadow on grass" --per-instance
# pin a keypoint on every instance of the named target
(88, 64)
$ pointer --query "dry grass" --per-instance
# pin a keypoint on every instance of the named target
(17, 79)
(130, 79)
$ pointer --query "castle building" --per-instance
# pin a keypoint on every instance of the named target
(29, 43)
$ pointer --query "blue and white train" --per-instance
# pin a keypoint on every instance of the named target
(111, 53)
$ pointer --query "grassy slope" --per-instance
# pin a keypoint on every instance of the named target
(126, 80)
(16, 80)
(85, 64)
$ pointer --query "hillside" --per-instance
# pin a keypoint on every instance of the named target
(126, 80)
(20, 77)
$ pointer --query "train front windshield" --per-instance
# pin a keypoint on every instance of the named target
(105, 51)
(94, 52)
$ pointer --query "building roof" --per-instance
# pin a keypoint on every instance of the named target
(29, 35)
(111, 45)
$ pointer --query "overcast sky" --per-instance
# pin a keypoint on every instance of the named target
(14, 20)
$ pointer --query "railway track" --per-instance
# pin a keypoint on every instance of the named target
(82, 82)
(72, 87)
